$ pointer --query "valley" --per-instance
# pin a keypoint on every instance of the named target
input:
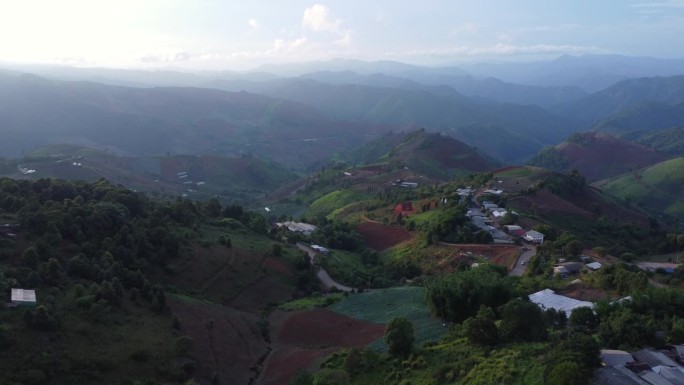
(433, 207)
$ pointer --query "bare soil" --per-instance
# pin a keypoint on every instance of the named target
(302, 338)
(380, 237)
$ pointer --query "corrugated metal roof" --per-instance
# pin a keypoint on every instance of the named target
(613, 376)
(653, 358)
(548, 299)
(654, 378)
(594, 265)
(617, 358)
(22, 295)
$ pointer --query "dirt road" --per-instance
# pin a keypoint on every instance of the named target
(322, 275)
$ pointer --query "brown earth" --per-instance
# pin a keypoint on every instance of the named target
(380, 237)
(303, 337)
(502, 255)
(226, 341)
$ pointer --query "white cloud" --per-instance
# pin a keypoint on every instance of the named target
(318, 18)
(254, 23)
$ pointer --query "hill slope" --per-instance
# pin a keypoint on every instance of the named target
(657, 188)
(155, 121)
(244, 180)
(596, 156)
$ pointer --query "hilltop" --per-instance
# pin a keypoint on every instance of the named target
(596, 156)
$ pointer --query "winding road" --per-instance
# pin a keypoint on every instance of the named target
(519, 268)
(322, 275)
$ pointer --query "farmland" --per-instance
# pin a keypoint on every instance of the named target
(384, 305)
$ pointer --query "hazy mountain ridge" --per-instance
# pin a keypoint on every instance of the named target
(153, 121)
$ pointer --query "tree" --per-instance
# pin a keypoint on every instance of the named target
(522, 321)
(568, 373)
(583, 319)
(399, 337)
(481, 331)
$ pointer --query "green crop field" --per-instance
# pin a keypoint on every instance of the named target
(384, 305)
(326, 204)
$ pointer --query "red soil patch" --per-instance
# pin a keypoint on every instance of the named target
(231, 344)
(502, 255)
(380, 237)
(301, 338)
(278, 266)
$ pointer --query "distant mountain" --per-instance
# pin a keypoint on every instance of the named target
(432, 155)
(624, 95)
(596, 156)
(489, 88)
(509, 132)
(589, 72)
(386, 67)
(244, 179)
(657, 189)
(643, 118)
(155, 121)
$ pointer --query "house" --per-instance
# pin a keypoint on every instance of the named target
(593, 266)
(320, 249)
(561, 271)
(23, 297)
(572, 267)
(489, 206)
(474, 213)
(409, 184)
(548, 299)
(534, 236)
(298, 227)
(404, 208)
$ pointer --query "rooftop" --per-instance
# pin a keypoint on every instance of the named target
(548, 299)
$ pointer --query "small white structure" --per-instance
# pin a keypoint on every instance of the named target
(408, 184)
(298, 227)
(493, 192)
(320, 249)
(548, 299)
(347, 173)
(23, 297)
(594, 266)
(534, 236)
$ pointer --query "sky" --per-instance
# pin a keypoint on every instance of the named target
(239, 35)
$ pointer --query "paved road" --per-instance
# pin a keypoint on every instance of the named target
(519, 268)
(322, 275)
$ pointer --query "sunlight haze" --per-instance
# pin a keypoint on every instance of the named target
(208, 34)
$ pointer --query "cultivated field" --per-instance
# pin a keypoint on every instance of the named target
(380, 237)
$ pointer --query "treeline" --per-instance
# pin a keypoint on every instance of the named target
(94, 253)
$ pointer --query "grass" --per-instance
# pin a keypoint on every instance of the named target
(308, 303)
(345, 267)
(383, 305)
(328, 203)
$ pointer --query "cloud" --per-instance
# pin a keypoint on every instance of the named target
(318, 18)
(254, 23)
(166, 57)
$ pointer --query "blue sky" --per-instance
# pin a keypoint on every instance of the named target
(228, 34)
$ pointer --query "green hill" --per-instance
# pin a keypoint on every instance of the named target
(246, 179)
(657, 188)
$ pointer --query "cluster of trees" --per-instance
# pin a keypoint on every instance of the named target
(91, 250)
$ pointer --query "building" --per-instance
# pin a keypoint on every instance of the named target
(320, 249)
(298, 227)
(404, 208)
(409, 184)
(23, 297)
(534, 236)
(548, 299)
(594, 266)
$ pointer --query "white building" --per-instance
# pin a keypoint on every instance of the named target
(22, 297)
(548, 299)
(534, 236)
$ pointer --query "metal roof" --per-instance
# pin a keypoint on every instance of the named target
(617, 358)
(613, 376)
(548, 299)
(22, 295)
